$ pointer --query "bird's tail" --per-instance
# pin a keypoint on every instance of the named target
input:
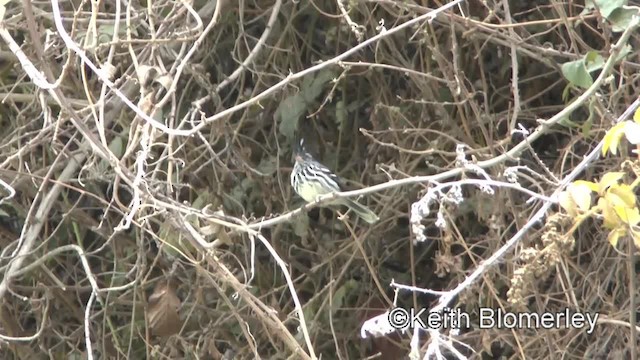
(360, 210)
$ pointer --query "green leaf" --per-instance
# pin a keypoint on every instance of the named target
(294, 106)
(105, 32)
(626, 50)
(204, 198)
(621, 17)
(341, 112)
(630, 216)
(576, 198)
(606, 7)
(578, 71)
(172, 241)
(339, 295)
(609, 217)
(288, 113)
(267, 166)
(301, 225)
(588, 124)
(117, 146)
(621, 195)
(615, 11)
(312, 87)
(240, 192)
(567, 122)
(577, 74)
(566, 92)
(593, 61)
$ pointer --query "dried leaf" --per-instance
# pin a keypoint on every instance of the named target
(162, 311)
(165, 80)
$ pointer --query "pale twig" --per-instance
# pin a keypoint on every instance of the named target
(363, 45)
(138, 180)
(100, 74)
(511, 154)
(283, 267)
(406, 71)
(34, 74)
(355, 28)
(45, 316)
(603, 319)
(100, 121)
(261, 311)
(394, 284)
(446, 299)
(39, 219)
(448, 296)
(41, 214)
(185, 59)
(85, 263)
(10, 189)
(26, 98)
(177, 132)
(87, 324)
(254, 52)
(95, 144)
(514, 67)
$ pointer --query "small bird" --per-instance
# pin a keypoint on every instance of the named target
(310, 179)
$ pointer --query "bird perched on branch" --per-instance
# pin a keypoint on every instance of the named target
(310, 179)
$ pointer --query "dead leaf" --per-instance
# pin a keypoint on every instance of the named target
(162, 311)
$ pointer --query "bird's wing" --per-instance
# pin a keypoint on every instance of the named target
(316, 170)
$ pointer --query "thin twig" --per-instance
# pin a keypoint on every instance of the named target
(254, 52)
(514, 67)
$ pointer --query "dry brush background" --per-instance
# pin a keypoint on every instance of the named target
(144, 234)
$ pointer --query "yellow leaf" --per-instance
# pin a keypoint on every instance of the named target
(591, 185)
(611, 220)
(612, 138)
(615, 235)
(630, 216)
(580, 194)
(621, 195)
(636, 238)
(636, 115)
(609, 179)
(566, 202)
(632, 132)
